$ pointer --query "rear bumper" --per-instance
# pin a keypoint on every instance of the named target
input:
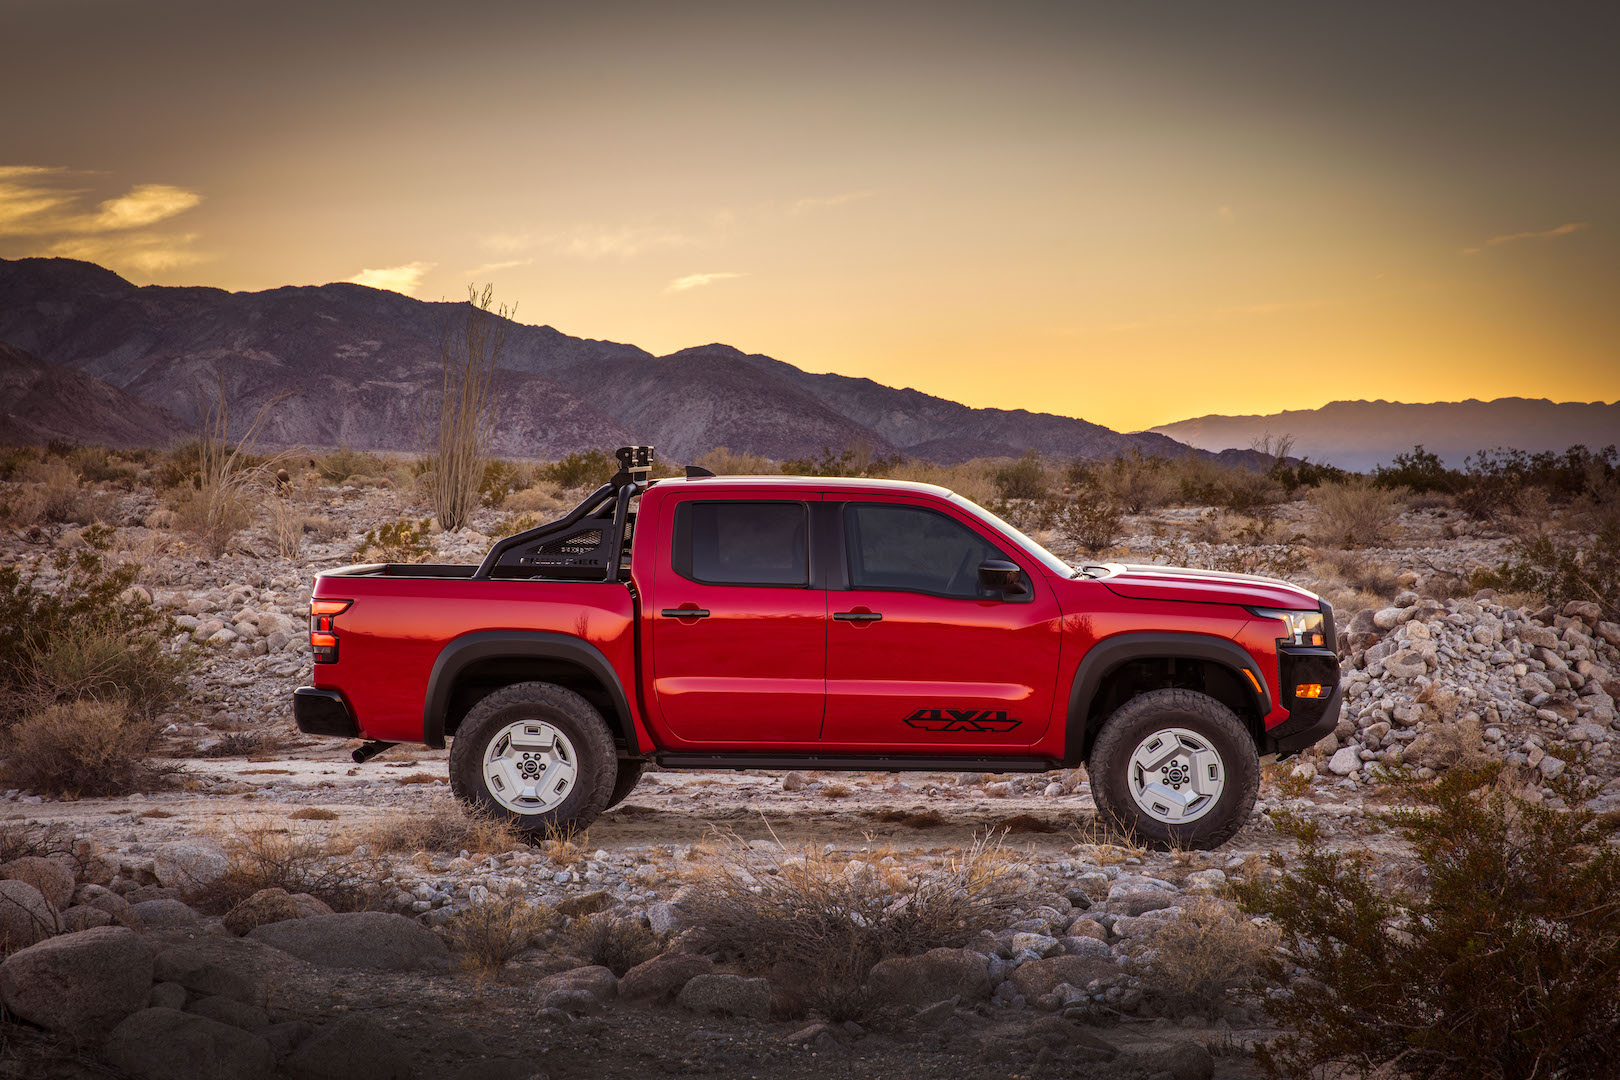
(1310, 720)
(323, 712)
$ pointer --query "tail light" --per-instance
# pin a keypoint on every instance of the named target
(323, 640)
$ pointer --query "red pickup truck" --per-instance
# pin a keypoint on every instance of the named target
(773, 622)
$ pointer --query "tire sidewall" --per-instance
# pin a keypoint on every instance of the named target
(480, 728)
(1141, 717)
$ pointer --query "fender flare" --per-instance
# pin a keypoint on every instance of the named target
(1108, 655)
(469, 649)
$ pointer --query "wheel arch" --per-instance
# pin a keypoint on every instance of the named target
(473, 665)
(1118, 668)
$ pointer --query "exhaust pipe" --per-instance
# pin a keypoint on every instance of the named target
(366, 751)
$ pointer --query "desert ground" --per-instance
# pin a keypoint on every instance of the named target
(411, 940)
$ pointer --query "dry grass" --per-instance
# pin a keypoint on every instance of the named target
(836, 791)
(615, 942)
(50, 495)
(723, 461)
(229, 479)
(972, 479)
(823, 920)
(1197, 957)
(1354, 513)
(244, 744)
(313, 813)
(267, 855)
(542, 498)
(1105, 844)
(82, 748)
(445, 826)
(491, 931)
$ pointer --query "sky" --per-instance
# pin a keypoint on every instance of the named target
(1133, 213)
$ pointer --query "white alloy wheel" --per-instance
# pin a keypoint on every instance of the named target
(1176, 776)
(530, 767)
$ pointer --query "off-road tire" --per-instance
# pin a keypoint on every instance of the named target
(1137, 719)
(597, 759)
(629, 775)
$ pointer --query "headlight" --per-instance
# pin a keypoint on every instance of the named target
(1304, 627)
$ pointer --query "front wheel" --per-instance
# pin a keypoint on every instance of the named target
(1175, 768)
(536, 755)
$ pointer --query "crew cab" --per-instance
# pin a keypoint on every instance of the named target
(774, 622)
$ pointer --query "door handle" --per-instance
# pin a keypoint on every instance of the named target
(858, 616)
(684, 613)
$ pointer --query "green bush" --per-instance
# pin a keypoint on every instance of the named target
(88, 637)
(1023, 479)
(396, 542)
(590, 469)
(1564, 566)
(1420, 472)
(1091, 520)
(1504, 961)
(500, 479)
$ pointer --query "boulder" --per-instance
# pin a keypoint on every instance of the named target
(263, 907)
(662, 977)
(205, 977)
(354, 1048)
(230, 1011)
(166, 1044)
(99, 896)
(1345, 760)
(588, 904)
(1182, 1060)
(80, 983)
(311, 905)
(83, 917)
(162, 915)
(166, 995)
(1040, 977)
(190, 866)
(53, 880)
(598, 981)
(374, 940)
(729, 995)
(25, 915)
(934, 976)
(1130, 898)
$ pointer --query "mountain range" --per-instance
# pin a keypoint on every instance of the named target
(1360, 435)
(360, 367)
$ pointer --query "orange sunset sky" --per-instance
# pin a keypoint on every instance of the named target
(1132, 213)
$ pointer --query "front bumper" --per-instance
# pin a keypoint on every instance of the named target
(1310, 720)
(323, 712)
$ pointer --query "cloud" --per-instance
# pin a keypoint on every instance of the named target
(401, 279)
(1566, 229)
(828, 202)
(697, 281)
(46, 206)
(495, 267)
(625, 241)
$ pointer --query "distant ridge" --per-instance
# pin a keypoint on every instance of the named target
(1360, 435)
(362, 365)
(41, 402)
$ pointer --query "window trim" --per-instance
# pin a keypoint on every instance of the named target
(846, 509)
(681, 544)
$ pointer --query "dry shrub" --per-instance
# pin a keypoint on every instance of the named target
(615, 942)
(489, 932)
(539, 498)
(229, 479)
(469, 353)
(286, 524)
(343, 463)
(82, 748)
(1204, 952)
(313, 813)
(971, 479)
(1357, 571)
(836, 791)
(444, 825)
(27, 838)
(823, 920)
(399, 541)
(1091, 521)
(244, 744)
(1354, 513)
(265, 855)
(1137, 483)
(1455, 743)
(565, 847)
(53, 496)
(723, 461)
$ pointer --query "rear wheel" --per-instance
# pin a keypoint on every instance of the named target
(629, 775)
(1175, 768)
(536, 755)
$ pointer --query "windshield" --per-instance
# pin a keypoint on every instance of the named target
(1049, 560)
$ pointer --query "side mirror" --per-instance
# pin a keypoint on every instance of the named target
(1001, 576)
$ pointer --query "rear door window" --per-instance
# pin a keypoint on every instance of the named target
(743, 543)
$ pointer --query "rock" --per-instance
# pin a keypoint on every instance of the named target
(53, 880)
(1039, 944)
(1584, 610)
(1040, 977)
(1129, 898)
(1389, 618)
(166, 1044)
(571, 1001)
(793, 781)
(730, 995)
(98, 896)
(230, 1011)
(80, 983)
(193, 971)
(1184, 1060)
(162, 915)
(662, 977)
(311, 905)
(374, 940)
(353, 1048)
(263, 907)
(1207, 879)
(1345, 760)
(1406, 664)
(167, 995)
(598, 981)
(286, 1037)
(588, 904)
(1551, 768)
(935, 975)
(25, 915)
(1089, 947)
(190, 866)
(83, 917)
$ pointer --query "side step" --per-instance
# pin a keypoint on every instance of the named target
(724, 762)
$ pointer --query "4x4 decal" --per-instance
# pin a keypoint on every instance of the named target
(966, 720)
